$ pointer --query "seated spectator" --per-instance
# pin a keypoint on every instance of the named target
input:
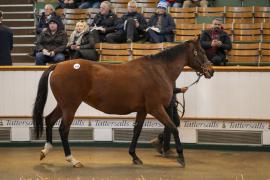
(161, 25)
(104, 22)
(195, 3)
(215, 41)
(51, 44)
(66, 4)
(48, 13)
(81, 43)
(89, 4)
(131, 27)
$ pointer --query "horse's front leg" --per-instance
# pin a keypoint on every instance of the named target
(64, 131)
(161, 115)
(136, 133)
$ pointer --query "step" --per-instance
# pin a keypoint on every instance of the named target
(18, 22)
(16, 7)
(16, 1)
(24, 39)
(24, 30)
(22, 58)
(23, 48)
(19, 15)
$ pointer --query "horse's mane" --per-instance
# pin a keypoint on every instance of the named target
(170, 53)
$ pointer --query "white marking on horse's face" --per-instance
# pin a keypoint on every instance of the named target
(76, 66)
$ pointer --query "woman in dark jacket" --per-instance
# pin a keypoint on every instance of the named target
(81, 43)
(161, 25)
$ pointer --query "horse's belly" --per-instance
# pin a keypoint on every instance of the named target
(115, 106)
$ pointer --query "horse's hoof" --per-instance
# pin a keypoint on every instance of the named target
(137, 162)
(181, 161)
(42, 155)
(78, 165)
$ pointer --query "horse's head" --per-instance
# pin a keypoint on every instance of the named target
(198, 60)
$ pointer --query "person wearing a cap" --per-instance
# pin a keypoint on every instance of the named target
(51, 44)
(49, 12)
(130, 28)
(161, 25)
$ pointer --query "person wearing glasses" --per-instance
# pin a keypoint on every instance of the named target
(104, 22)
(130, 28)
(215, 41)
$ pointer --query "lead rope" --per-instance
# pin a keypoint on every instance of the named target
(183, 105)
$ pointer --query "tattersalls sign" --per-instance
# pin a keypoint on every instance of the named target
(149, 123)
(237, 125)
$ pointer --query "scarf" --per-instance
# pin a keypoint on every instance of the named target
(76, 37)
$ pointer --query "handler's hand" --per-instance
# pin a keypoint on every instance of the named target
(184, 89)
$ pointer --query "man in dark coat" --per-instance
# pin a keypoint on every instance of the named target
(45, 17)
(161, 25)
(6, 44)
(131, 27)
(51, 44)
(215, 42)
(104, 22)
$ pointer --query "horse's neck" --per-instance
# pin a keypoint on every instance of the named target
(175, 67)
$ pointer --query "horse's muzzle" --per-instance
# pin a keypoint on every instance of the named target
(209, 73)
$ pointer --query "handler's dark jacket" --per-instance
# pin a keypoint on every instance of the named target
(6, 45)
(206, 40)
(107, 21)
(56, 42)
(134, 15)
(167, 25)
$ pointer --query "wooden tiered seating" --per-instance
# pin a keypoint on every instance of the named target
(139, 50)
(146, 3)
(261, 14)
(115, 52)
(206, 15)
(247, 54)
(265, 28)
(246, 32)
(186, 32)
(265, 53)
(239, 15)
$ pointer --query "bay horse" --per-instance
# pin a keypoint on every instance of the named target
(144, 85)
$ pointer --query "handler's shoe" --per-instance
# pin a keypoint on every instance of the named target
(157, 145)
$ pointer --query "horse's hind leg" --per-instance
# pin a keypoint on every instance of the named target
(64, 128)
(136, 133)
(50, 121)
(161, 115)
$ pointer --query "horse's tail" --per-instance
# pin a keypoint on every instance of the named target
(40, 102)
